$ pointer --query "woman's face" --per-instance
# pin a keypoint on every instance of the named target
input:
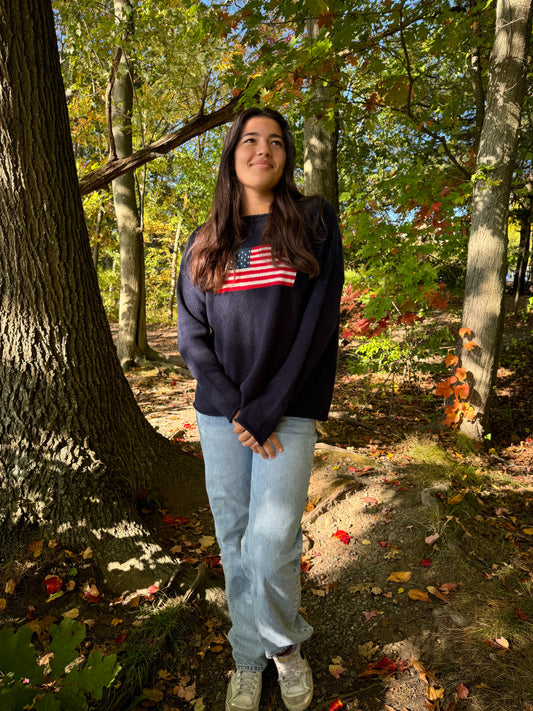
(260, 157)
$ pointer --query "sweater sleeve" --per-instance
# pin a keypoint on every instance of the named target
(195, 341)
(318, 325)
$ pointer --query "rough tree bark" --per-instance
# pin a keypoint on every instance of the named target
(74, 446)
(483, 308)
(320, 142)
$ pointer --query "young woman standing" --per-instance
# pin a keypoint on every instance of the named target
(258, 308)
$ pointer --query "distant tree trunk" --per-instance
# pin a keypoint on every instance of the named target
(320, 142)
(96, 245)
(173, 270)
(74, 447)
(483, 308)
(525, 216)
(132, 344)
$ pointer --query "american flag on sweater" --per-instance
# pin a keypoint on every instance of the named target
(255, 269)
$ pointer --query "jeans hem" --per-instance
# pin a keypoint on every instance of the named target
(249, 668)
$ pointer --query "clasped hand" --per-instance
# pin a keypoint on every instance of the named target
(268, 450)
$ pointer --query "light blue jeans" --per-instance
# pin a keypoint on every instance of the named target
(257, 505)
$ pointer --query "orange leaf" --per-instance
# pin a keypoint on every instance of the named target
(460, 374)
(461, 391)
(443, 389)
(464, 332)
(455, 499)
(433, 694)
(451, 359)
(415, 594)
(335, 705)
(400, 577)
(469, 345)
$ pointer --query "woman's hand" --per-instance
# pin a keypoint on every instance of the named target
(268, 450)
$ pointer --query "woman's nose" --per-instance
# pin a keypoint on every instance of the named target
(263, 148)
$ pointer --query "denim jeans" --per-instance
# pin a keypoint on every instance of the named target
(257, 505)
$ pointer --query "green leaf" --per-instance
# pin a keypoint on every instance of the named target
(17, 655)
(49, 702)
(97, 674)
(65, 639)
(16, 697)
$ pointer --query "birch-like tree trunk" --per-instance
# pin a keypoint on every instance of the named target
(74, 447)
(320, 141)
(132, 343)
(483, 308)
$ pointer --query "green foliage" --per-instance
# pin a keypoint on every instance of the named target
(67, 687)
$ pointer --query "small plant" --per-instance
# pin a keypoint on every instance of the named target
(53, 682)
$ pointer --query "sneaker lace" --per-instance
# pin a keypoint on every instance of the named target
(247, 683)
(291, 674)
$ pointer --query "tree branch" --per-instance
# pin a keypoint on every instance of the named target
(101, 177)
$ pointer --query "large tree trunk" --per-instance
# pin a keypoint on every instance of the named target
(320, 141)
(74, 447)
(483, 308)
(132, 344)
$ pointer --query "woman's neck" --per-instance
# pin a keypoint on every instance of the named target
(256, 204)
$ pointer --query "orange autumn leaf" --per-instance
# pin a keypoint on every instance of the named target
(451, 359)
(462, 391)
(444, 389)
(434, 693)
(335, 705)
(420, 595)
(400, 577)
(464, 332)
(460, 374)
(469, 345)
(455, 499)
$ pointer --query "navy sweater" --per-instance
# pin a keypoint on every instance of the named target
(266, 344)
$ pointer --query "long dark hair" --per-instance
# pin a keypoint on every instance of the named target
(288, 229)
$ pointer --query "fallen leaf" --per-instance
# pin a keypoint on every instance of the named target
(462, 691)
(3, 603)
(430, 540)
(319, 593)
(415, 594)
(87, 553)
(342, 536)
(369, 614)
(464, 331)
(426, 563)
(335, 705)
(434, 693)
(360, 587)
(207, 541)
(10, 586)
(433, 590)
(53, 584)
(36, 547)
(519, 614)
(400, 577)
(367, 650)
(336, 670)
(369, 500)
(528, 531)
(455, 499)
(72, 613)
(447, 587)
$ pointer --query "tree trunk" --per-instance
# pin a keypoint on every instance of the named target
(320, 142)
(173, 268)
(132, 344)
(483, 308)
(525, 215)
(74, 447)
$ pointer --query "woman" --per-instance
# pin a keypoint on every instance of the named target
(258, 305)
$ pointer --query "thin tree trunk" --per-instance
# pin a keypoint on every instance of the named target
(173, 269)
(96, 245)
(526, 213)
(320, 142)
(483, 308)
(132, 344)
(74, 447)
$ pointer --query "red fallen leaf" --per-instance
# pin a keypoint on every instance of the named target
(342, 536)
(369, 500)
(213, 561)
(176, 520)
(425, 563)
(152, 589)
(383, 544)
(53, 584)
(305, 566)
(369, 614)
(462, 691)
(119, 640)
(188, 426)
(335, 705)
(519, 614)
(384, 666)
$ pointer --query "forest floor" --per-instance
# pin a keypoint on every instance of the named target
(417, 573)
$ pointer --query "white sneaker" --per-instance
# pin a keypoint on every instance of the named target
(244, 691)
(295, 680)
